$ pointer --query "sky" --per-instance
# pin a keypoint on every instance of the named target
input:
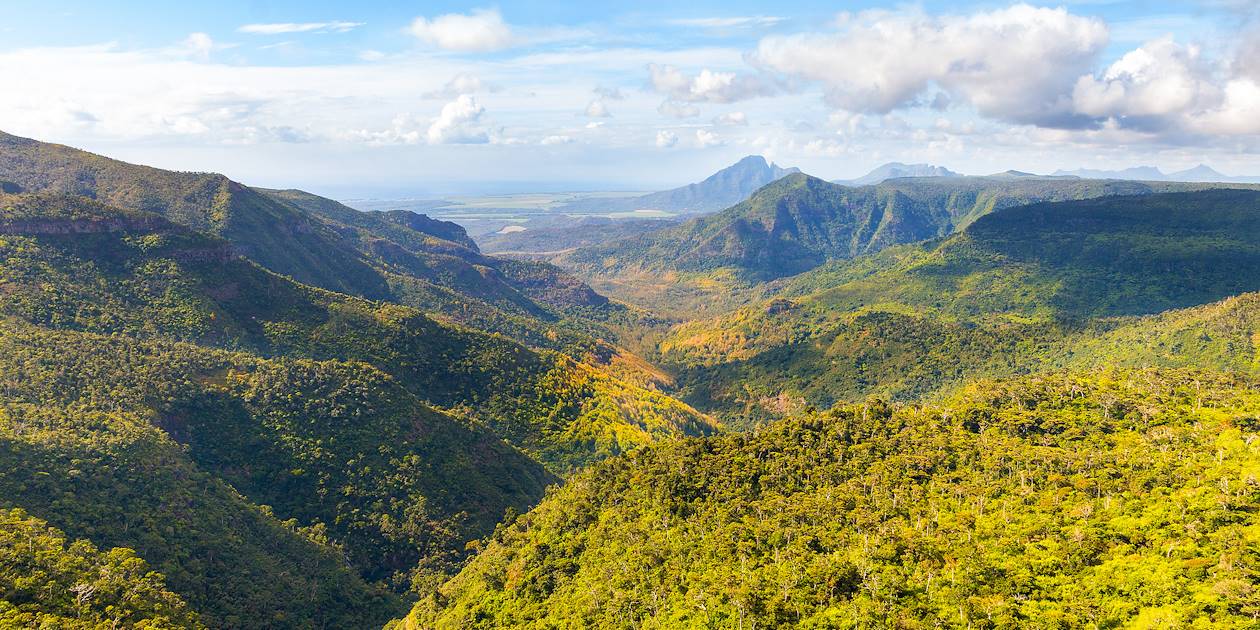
(387, 99)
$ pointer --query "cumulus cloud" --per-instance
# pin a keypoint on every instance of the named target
(1149, 86)
(459, 123)
(1017, 64)
(482, 30)
(707, 86)
(597, 109)
(666, 139)
(706, 138)
(1247, 59)
(1168, 89)
(280, 28)
(553, 140)
(731, 119)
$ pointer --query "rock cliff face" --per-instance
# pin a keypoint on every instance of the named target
(50, 227)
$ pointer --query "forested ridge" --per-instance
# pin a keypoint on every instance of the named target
(1100, 499)
(963, 402)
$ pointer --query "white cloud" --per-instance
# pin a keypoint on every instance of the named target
(597, 109)
(483, 30)
(666, 139)
(731, 119)
(674, 109)
(280, 28)
(1247, 59)
(459, 123)
(1238, 113)
(371, 55)
(1168, 90)
(553, 140)
(462, 83)
(706, 138)
(707, 86)
(1017, 64)
(1154, 81)
(198, 45)
(729, 22)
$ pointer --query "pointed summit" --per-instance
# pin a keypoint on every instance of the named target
(1200, 173)
(718, 191)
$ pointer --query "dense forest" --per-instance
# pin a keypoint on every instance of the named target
(979, 402)
(1092, 500)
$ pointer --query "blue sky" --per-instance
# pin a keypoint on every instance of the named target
(367, 98)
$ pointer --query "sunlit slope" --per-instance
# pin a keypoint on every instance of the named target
(75, 264)
(1056, 502)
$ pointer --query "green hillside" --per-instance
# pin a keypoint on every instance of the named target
(274, 234)
(396, 256)
(51, 582)
(337, 446)
(1020, 290)
(115, 480)
(440, 253)
(1102, 499)
(907, 357)
(799, 223)
(136, 274)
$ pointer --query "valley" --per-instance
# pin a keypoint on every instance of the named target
(932, 398)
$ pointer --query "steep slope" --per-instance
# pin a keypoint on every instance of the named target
(722, 189)
(47, 581)
(402, 225)
(1129, 255)
(800, 222)
(1054, 502)
(273, 234)
(905, 356)
(75, 264)
(399, 257)
(111, 478)
(1019, 290)
(340, 447)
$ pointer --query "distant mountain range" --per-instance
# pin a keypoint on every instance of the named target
(893, 170)
(1200, 173)
(720, 190)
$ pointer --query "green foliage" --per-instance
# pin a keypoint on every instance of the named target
(1095, 500)
(271, 233)
(47, 581)
(399, 257)
(799, 222)
(156, 281)
(338, 447)
(1018, 291)
(351, 454)
(115, 480)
